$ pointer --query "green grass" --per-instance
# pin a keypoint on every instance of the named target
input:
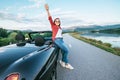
(100, 44)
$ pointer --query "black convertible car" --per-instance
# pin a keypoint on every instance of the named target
(32, 59)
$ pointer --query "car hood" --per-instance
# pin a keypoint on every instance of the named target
(11, 53)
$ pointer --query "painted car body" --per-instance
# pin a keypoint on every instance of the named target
(29, 61)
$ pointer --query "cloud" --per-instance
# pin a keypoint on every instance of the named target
(8, 16)
(21, 22)
(40, 21)
(8, 8)
(36, 4)
(20, 17)
(68, 18)
(4, 15)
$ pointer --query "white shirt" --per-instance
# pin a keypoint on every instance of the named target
(59, 34)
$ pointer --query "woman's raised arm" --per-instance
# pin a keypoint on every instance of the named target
(47, 9)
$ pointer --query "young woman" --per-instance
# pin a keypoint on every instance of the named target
(58, 39)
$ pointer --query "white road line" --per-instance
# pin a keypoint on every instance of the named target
(70, 46)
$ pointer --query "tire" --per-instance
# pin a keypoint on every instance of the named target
(54, 71)
(54, 74)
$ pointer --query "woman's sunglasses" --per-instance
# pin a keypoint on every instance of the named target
(57, 21)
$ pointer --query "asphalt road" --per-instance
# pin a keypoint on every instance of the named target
(90, 62)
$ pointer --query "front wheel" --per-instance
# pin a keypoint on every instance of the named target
(54, 74)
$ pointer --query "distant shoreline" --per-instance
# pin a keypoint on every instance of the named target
(105, 46)
(112, 39)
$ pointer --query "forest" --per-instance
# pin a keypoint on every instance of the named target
(8, 36)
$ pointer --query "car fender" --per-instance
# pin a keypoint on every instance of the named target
(30, 65)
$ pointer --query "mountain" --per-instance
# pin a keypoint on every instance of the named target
(92, 27)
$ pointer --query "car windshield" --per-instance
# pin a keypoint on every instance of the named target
(45, 35)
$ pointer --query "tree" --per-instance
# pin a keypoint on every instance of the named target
(12, 37)
(3, 33)
(4, 42)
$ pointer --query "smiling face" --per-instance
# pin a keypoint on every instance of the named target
(57, 21)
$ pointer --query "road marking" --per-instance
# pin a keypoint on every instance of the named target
(70, 45)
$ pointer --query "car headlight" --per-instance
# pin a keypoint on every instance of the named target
(13, 76)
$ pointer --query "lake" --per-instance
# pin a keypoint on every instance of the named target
(113, 39)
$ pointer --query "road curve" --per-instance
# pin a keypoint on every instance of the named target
(90, 62)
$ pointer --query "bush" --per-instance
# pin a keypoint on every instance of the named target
(107, 44)
(4, 41)
(100, 42)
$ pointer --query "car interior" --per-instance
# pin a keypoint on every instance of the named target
(39, 39)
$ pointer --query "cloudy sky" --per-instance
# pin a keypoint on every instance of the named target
(30, 14)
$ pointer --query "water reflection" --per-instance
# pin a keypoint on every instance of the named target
(114, 39)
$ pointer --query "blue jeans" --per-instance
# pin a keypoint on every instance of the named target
(60, 43)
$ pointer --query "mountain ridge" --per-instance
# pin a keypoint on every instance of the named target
(93, 27)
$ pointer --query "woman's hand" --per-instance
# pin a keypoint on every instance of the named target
(46, 7)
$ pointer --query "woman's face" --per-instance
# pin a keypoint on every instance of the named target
(57, 22)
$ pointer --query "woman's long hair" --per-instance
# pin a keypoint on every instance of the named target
(56, 19)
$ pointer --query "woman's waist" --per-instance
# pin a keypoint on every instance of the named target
(58, 37)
